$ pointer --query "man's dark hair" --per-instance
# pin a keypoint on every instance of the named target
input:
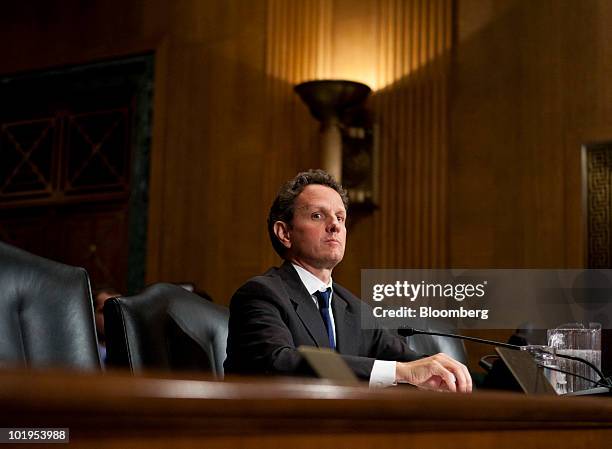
(283, 206)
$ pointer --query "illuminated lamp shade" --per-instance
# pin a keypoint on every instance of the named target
(328, 100)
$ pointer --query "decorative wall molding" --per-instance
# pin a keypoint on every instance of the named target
(599, 187)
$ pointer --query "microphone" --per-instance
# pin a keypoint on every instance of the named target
(409, 331)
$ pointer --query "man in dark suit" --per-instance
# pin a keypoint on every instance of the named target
(299, 304)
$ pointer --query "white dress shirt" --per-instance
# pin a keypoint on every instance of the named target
(383, 371)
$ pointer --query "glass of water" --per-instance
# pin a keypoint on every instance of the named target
(577, 340)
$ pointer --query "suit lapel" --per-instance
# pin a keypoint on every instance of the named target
(305, 307)
(347, 326)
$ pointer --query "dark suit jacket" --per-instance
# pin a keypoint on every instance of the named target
(271, 315)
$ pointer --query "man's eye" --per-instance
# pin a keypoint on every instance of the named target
(341, 218)
(316, 215)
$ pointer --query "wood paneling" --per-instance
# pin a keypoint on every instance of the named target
(228, 128)
(297, 49)
(206, 223)
(401, 48)
(412, 112)
(532, 83)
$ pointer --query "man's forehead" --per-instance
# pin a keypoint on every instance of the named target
(319, 196)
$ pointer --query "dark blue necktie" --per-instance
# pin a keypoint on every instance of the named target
(323, 300)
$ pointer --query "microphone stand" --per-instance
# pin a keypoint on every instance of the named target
(409, 331)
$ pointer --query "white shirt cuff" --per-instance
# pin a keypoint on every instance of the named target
(383, 374)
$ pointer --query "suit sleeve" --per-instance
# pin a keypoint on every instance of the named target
(384, 344)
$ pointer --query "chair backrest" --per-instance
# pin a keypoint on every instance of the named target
(46, 313)
(165, 327)
(432, 344)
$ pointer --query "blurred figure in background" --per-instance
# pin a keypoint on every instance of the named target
(100, 296)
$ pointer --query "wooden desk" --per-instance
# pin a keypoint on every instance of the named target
(119, 411)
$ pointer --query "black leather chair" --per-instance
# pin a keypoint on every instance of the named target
(433, 344)
(46, 313)
(165, 327)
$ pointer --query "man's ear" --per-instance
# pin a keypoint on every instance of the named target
(281, 230)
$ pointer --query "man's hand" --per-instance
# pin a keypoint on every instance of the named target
(438, 372)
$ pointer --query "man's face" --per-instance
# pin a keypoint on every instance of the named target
(317, 234)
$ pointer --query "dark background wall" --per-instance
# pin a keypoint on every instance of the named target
(228, 129)
(205, 220)
(531, 84)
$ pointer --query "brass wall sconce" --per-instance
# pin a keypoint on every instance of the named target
(346, 133)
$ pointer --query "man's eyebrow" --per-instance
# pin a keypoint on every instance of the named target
(319, 207)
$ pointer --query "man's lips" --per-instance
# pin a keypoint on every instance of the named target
(332, 241)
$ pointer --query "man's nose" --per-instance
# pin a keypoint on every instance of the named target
(333, 225)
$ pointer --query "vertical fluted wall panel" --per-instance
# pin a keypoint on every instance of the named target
(298, 48)
(412, 112)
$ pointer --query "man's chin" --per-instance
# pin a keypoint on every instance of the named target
(333, 260)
